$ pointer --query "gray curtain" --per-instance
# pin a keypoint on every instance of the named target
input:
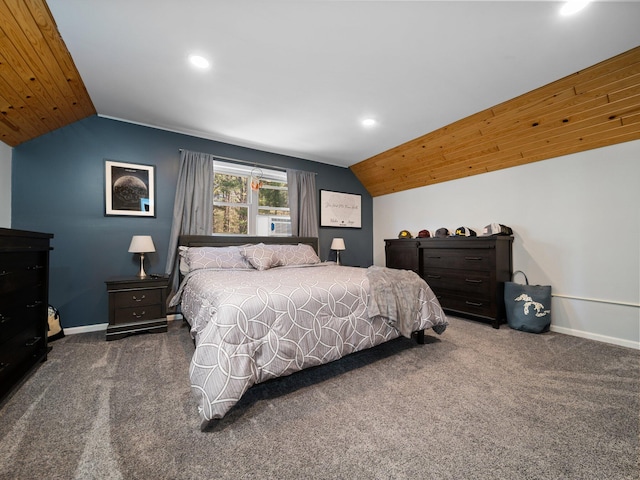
(193, 207)
(303, 204)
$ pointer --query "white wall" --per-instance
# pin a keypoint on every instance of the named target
(576, 223)
(5, 185)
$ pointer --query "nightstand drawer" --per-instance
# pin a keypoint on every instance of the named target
(138, 313)
(136, 305)
(134, 298)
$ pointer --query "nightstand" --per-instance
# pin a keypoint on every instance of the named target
(136, 305)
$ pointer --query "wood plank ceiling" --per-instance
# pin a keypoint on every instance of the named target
(40, 87)
(41, 90)
(593, 108)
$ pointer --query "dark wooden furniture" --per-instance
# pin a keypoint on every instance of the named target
(402, 253)
(136, 305)
(467, 274)
(24, 300)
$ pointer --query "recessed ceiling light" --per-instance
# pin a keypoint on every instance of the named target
(573, 6)
(369, 122)
(199, 61)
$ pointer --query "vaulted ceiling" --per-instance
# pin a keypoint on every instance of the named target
(40, 87)
(446, 82)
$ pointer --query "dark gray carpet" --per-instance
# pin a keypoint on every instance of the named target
(474, 403)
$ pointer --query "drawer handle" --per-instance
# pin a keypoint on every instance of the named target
(473, 304)
(139, 299)
(34, 304)
(33, 341)
(4, 319)
(471, 280)
(4, 273)
(431, 256)
(139, 315)
(473, 258)
(434, 276)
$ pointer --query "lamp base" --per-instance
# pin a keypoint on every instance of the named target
(337, 257)
(142, 273)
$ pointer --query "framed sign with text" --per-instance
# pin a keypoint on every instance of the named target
(340, 209)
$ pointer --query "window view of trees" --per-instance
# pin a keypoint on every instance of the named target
(273, 199)
(231, 208)
(236, 206)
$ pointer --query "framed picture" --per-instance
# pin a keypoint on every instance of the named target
(129, 189)
(340, 209)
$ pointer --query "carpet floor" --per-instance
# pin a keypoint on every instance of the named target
(473, 403)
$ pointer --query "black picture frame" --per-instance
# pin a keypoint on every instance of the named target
(341, 210)
(129, 189)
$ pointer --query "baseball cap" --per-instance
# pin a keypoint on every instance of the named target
(465, 232)
(496, 229)
(442, 232)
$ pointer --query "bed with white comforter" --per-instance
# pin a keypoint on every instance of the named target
(252, 324)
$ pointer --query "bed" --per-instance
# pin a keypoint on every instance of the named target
(264, 307)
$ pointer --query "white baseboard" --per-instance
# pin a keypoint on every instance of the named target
(103, 326)
(85, 328)
(597, 337)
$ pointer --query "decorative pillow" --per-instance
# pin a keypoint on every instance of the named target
(216, 257)
(299, 254)
(261, 256)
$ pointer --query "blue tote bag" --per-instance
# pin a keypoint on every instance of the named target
(528, 307)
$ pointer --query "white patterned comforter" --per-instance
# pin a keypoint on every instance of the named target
(250, 326)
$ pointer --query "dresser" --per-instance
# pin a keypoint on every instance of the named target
(467, 274)
(24, 301)
(136, 305)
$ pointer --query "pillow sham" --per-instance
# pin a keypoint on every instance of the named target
(263, 257)
(299, 254)
(260, 256)
(216, 257)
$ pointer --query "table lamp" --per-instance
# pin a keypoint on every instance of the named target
(142, 244)
(338, 244)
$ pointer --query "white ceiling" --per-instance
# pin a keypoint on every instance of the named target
(297, 77)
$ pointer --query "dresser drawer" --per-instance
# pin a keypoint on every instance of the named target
(134, 298)
(482, 307)
(467, 259)
(18, 270)
(26, 310)
(138, 313)
(18, 354)
(476, 283)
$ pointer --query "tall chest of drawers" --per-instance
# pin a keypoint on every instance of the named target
(24, 300)
(467, 274)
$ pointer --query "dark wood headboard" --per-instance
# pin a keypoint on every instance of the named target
(228, 241)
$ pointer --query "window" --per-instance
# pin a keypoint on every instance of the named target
(240, 210)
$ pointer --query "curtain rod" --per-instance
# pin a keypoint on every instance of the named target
(246, 162)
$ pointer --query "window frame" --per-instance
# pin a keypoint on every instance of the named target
(253, 206)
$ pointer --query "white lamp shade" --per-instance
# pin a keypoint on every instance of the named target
(338, 244)
(142, 244)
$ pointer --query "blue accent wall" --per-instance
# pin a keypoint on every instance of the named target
(58, 187)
